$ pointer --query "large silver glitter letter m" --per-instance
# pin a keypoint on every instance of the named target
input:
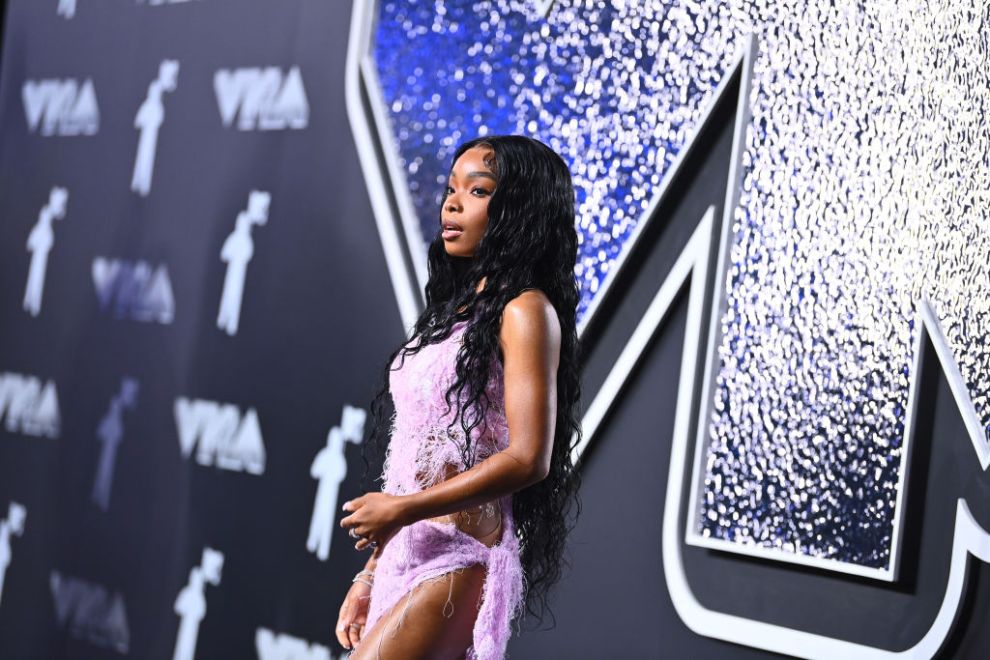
(685, 485)
(808, 270)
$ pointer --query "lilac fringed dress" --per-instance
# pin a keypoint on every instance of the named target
(421, 446)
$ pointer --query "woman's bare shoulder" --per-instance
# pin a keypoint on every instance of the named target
(530, 317)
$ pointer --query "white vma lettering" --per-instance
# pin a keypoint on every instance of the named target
(61, 107)
(261, 99)
(29, 407)
(134, 290)
(90, 612)
(221, 435)
(272, 646)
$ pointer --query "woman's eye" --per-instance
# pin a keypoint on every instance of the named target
(448, 190)
(479, 191)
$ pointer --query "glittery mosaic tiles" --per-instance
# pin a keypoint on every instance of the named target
(865, 188)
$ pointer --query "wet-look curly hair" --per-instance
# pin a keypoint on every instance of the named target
(530, 242)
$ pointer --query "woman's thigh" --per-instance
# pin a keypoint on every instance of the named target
(434, 620)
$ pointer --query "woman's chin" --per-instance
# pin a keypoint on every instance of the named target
(455, 251)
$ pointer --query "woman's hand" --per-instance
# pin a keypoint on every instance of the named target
(353, 615)
(375, 517)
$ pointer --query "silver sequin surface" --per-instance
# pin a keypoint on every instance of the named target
(865, 188)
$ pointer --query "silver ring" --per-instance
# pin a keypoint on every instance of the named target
(351, 625)
(353, 534)
(373, 544)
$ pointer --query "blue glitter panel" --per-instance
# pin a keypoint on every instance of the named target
(859, 198)
(451, 71)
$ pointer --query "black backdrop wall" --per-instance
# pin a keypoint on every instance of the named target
(142, 437)
(195, 311)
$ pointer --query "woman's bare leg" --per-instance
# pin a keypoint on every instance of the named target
(434, 620)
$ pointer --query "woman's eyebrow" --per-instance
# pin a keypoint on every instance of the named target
(475, 175)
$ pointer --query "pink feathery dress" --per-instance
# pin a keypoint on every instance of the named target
(419, 450)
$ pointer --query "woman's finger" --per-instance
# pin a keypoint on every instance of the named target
(354, 631)
(342, 622)
(341, 633)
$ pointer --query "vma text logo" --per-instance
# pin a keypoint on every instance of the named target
(90, 612)
(221, 434)
(134, 290)
(61, 107)
(261, 99)
(28, 407)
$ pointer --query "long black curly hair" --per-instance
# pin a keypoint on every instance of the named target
(530, 242)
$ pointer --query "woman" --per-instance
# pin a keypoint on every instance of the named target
(478, 478)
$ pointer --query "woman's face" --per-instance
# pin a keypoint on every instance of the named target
(464, 213)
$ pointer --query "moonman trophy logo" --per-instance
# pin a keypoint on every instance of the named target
(148, 120)
(12, 525)
(111, 434)
(39, 244)
(330, 468)
(190, 605)
(66, 8)
(236, 253)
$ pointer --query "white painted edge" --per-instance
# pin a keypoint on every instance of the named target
(646, 328)
(956, 382)
(409, 220)
(408, 295)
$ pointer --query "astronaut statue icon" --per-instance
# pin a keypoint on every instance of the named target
(66, 8)
(39, 244)
(12, 525)
(111, 433)
(330, 467)
(148, 120)
(237, 252)
(191, 602)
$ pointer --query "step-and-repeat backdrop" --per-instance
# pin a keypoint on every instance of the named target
(212, 226)
(195, 314)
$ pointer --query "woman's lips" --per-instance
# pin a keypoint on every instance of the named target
(451, 230)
